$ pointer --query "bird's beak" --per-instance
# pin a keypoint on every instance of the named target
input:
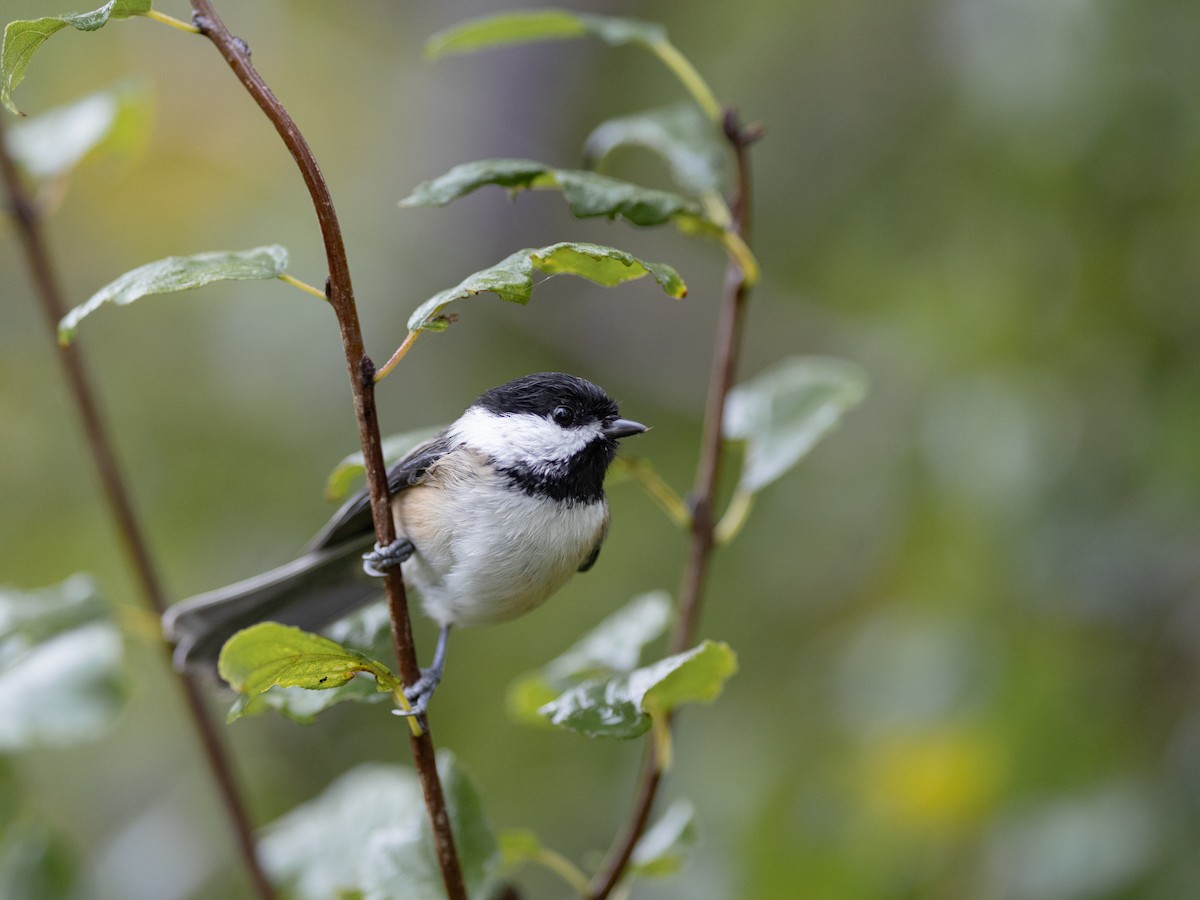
(619, 428)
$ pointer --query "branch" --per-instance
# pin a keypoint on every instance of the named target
(362, 374)
(701, 541)
(724, 370)
(45, 281)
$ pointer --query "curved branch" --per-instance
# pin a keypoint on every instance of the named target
(45, 281)
(701, 541)
(362, 373)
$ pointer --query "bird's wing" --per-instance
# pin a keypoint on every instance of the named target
(354, 518)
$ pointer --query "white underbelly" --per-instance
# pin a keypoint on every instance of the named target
(486, 556)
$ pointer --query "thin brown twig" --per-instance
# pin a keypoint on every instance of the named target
(703, 521)
(46, 286)
(362, 374)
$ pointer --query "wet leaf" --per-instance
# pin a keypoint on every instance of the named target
(511, 279)
(368, 832)
(541, 25)
(690, 143)
(621, 707)
(611, 648)
(178, 273)
(23, 37)
(784, 412)
(588, 194)
(270, 655)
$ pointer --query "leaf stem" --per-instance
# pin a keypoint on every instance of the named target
(400, 353)
(735, 516)
(361, 371)
(156, 16)
(664, 495)
(562, 867)
(691, 79)
(702, 539)
(714, 206)
(301, 285)
(138, 622)
(49, 293)
(664, 746)
(742, 255)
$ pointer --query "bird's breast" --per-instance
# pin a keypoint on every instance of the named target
(486, 553)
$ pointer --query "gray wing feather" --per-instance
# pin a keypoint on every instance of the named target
(308, 592)
(354, 518)
(592, 557)
(325, 583)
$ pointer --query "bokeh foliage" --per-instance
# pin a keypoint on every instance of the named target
(967, 626)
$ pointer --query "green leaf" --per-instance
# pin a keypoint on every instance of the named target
(395, 448)
(301, 705)
(616, 643)
(368, 832)
(54, 142)
(61, 678)
(690, 143)
(611, 648)
(664, 848)
(368, 630)
(399, 863)
(785, 411)
(621, 707)
(540, 25)
(23, 37)
(178, 273)
(557, 24)
(269, 655)
(588, 194)
(512, 278)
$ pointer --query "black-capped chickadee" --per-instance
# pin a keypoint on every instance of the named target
(494, 514)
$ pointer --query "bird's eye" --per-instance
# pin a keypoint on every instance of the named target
(563, 415)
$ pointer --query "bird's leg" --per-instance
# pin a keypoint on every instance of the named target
(376, 562)
(419, 692)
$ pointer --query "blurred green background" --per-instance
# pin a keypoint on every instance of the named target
(967, 625)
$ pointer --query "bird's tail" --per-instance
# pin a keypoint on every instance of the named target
(309, 592)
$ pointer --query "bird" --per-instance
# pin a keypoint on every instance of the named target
(493, 514)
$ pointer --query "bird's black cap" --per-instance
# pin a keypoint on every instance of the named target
(542, 392)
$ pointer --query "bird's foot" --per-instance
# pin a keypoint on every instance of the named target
(376, 562)
(419, 693)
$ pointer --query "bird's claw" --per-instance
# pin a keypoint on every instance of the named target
(419, 693)
(377, 562)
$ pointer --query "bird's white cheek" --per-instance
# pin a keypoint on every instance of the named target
(520, 439)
